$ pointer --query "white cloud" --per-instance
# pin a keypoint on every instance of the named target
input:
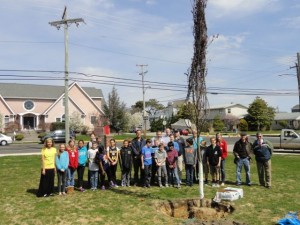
(241, 7)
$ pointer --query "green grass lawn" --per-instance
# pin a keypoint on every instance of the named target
(135, 205)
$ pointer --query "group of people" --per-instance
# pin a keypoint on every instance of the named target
(214, 157)
(158, 160)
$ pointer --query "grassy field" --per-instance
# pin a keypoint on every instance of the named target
(135, 205)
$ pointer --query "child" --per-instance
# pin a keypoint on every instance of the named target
(102, 160)
(190, 159)
(154, 167)
(73, 164)
(62, 162)
(214, 160)
(46, 187)
(113, 157)
(82, 159)
(146, 160)
(93, 166)
(203, 149)
(172, 156)
(126, 163)
(160, 162)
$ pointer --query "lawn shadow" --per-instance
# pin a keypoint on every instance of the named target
(32, 191)
(131, 193)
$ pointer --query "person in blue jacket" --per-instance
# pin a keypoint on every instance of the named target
(62, 162)
(82, 159)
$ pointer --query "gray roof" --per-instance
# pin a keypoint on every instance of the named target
(287, 116)
(225, 106)
(33, 91)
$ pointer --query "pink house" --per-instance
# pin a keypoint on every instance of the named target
(29, 106)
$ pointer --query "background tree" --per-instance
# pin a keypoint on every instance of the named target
(243, 125)
(218, 124)
(76, 123)
(283, 123)
(230, 121)
(115, 110)
(135, 120)
(157, 125)
(153, 106)
(260, 115)
(186, 111)
(137, 107)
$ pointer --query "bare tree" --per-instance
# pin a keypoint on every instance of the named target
(196, 79)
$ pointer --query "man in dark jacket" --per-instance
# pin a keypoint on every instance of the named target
(137, 144)
(263, 150)
(241, 152)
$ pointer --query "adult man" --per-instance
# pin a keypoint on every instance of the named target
(223, 146)
(241, 152)
(157, 137)
(262, 150)
(181, 142)
(166, 138)
(137, 144)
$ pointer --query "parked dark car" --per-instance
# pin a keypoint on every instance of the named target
(57, 136)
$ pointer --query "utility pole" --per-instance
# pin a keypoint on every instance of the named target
(298, 76)
(142, 73)
(66, 22)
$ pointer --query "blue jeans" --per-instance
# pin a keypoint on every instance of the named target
(172, 173)
(222, 168)
(246, 163)
(189, 169)
(70, 177)
(94, 179)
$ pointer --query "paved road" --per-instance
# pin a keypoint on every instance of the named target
(34, 148)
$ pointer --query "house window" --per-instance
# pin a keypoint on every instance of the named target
(28, 105)
(291, 122)
(58, 119)
(6, 120)
(229, 110)
(93, 119)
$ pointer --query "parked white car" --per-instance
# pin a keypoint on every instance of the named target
(4, 139)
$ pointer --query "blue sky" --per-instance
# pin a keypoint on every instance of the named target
(257, 41)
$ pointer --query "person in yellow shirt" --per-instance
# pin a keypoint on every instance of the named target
(46, 187)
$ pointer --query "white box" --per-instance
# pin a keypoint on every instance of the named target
(229, 194)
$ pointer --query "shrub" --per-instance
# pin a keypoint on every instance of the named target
(243, 125)
(19, 137)
(41, 135)
(57, 126)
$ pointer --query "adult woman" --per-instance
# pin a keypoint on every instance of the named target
(46, 187)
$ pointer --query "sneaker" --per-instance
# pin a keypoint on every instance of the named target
(222, 184)
(217, 185)
(103, 187)
(160, 186)
(167, 185)
(116, 186)
(59, 193)
(249, 184)
(82, 189)
(148, 186)
(64, 193)
(178, 186)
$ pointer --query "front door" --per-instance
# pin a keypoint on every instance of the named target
(28, 122)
